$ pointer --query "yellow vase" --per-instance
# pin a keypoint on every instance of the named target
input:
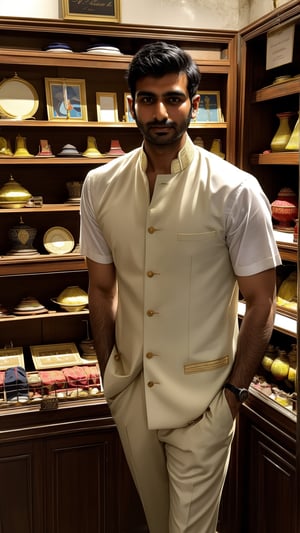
(294, 141)
(283, 133)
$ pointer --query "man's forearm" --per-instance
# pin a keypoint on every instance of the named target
(102, 318)
(254, 336)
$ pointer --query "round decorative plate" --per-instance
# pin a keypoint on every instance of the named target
(58, 240)
(18, 98)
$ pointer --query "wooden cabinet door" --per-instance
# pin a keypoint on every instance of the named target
(80, 492)
(20, 498)
(271, 493)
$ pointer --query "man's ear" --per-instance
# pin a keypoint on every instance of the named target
(195, 105)
(130, 102)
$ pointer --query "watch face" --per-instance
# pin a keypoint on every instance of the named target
(243, 395)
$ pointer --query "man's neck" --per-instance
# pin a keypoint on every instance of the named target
(160, 157)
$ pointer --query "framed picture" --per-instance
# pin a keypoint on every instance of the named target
(107, 107)
(55, 355)
(128, 115)
(106, 10)
(209, 107)
(66, 99)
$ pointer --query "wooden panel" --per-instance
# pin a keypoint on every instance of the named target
(80, 484)
(272, 482)
(20, 498)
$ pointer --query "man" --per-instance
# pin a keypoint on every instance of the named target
(171, 233)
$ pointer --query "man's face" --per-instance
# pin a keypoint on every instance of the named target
(162, 108)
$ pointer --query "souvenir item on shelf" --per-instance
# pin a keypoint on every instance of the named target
(87, 345)
(13, 195)
(21, 148)
(285, 209)
(22, 237)
(69, 150)
(268, 357)
(281, 79)
(44, 149)
(4, 313)
(72, 299)
(103, 49)
(18, 98)
(280, 366)
(74, 190)
(198, 141)
(53, 356)
(287, 292)
(92, 149)
(283, 133)
(296, 230)
(11, 356)
(58, 240)
(292, 356)
(16, 384)
(216, 148)
(115, 149)
(29, 305)
(294, 141)
(5, 148)
(58, 47)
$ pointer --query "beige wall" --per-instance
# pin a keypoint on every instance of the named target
(204, 14)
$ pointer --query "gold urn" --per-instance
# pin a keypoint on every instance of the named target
(13, 195)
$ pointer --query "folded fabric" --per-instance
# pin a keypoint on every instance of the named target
(16, 384)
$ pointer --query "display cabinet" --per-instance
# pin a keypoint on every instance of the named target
(267, 480)
(69, 457)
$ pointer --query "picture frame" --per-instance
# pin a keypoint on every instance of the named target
(89, 10)
(209, 107)
(11, 357)
(127, 114)
(46, 356)
(107, 107)
(66, 99)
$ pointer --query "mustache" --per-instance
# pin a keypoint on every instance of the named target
(168, 123)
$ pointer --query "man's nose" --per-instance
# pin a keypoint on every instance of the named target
(160, 111)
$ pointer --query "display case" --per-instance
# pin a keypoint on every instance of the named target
(268, 426)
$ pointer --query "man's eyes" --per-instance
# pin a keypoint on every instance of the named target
(169, 100)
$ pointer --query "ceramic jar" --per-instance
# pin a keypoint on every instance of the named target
(285, 208)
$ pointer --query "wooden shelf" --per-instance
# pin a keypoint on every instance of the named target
(55, 161)
(62, 123)
(278, 90)
(46, 208)
(275, 158)
(50, 314)
(45, 264)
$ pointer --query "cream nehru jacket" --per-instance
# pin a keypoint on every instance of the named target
(177, 312)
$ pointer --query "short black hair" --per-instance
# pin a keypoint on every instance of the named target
(160, 58)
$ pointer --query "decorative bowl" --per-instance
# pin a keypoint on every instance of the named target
(72, 299)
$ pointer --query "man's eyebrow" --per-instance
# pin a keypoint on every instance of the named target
(168, 93)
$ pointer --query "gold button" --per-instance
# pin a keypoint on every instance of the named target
(150, 312)
(149, 355)
(150, 274)
(150, 384)
(151, 229)
(117, 357)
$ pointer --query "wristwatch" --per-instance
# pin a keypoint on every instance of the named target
(240, 394)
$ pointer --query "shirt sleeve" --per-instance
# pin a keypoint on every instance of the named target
(92, 242)
(249, 231)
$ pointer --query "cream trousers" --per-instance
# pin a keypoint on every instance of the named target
(179, 473)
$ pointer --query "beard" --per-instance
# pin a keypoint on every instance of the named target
(164, 132)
